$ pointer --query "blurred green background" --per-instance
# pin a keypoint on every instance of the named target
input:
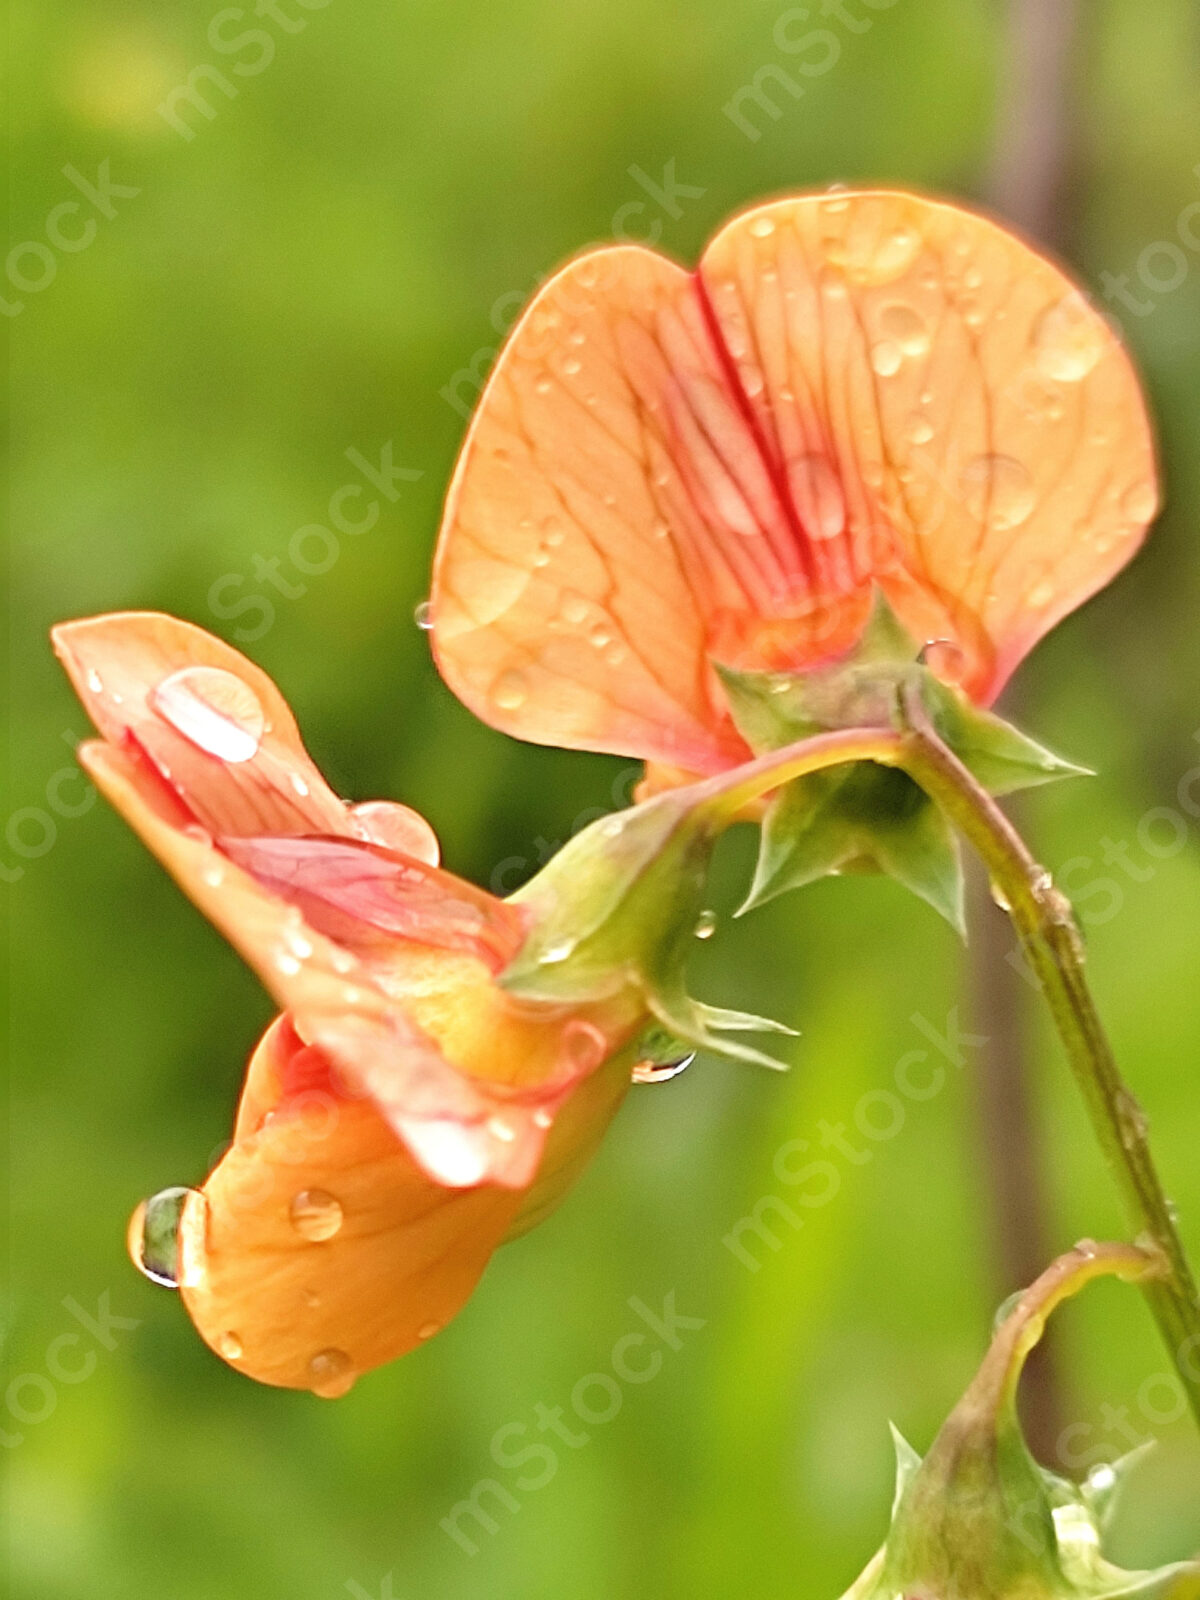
(303, 276)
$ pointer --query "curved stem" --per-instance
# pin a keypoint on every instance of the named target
(1046, 927)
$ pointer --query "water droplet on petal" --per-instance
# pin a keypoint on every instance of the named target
(428, 1329)
(450, 1152)
(230, 1347)
(661, 1071)
(299, 784)
(214, 710)
(214, 876)
(556, 952)
(331, 1373)
(920, 430)
(316, 1214)
(998, 490)
(94, 681)
(817, 494)
(1041, 595)
(762, 227)
(166, 1236)
(287, 963)
(500, 1128)
(510, 690)
(542, 1118)
(1140, 503)
(904, 326)
(1069, 339)
(887, 358)
(543, 385)
(571, 366)
(706, 925)
(583, 1045)
(577, 337)
(946, 659)
(423, 615)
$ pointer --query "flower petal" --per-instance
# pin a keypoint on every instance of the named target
(577, 569)
(211, 721)
(355, 892)
(949, 414)
(852, 389)
(327, 1251)
(462, 1129)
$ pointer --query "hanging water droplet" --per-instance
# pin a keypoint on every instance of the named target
(706, 925)
(316, 1214)
(423, 615)
(510, 690)
(214, 710)
(230, 1347)
(166, 1236)
(1068, 339)
(661, 1071)
(331, 1373)
(998, 490)
(1006, 1309)
(999, 897)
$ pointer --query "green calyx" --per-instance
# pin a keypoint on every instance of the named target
(978, 1518)
(618, 908)
(863, 816)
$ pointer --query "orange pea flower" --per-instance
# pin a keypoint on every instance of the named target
(404, 1115)
(853, 392)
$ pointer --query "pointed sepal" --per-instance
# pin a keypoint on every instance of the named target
(978, 1518)
(618, 908)
(863, 816)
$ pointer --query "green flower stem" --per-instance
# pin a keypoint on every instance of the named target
(1046, 926)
